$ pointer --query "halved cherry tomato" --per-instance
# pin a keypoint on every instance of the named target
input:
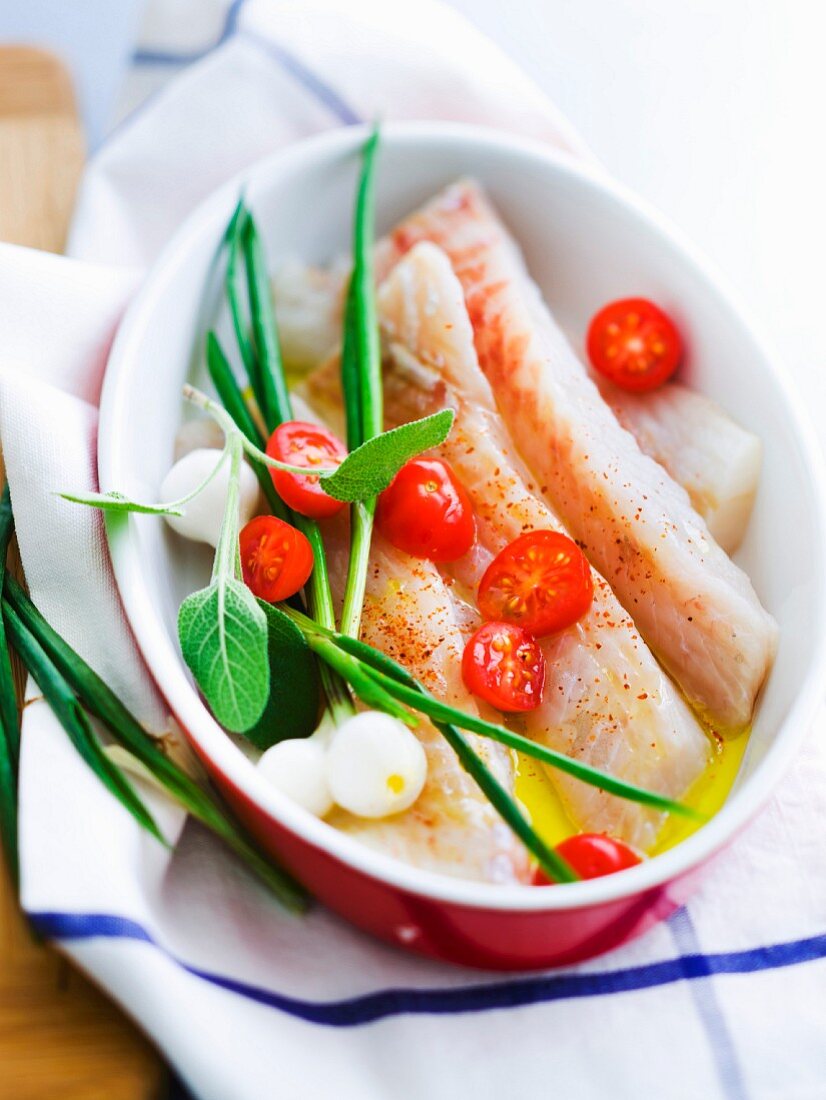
(635, 344)
(504, 665)
(541, 581)
(426, 511)
(592, 855)
(276, 560)
(303, 444)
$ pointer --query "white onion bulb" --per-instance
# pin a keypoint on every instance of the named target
(202, 516)
(298, 769)
(375, 765)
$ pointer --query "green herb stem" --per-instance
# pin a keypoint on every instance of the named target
(362, 514)
(387, 668)
(266, 377)
(364, 472)
(362, 330)
(349, 367)
(397, 681)
(9, 719)
(99, 699)
(268, 382)
(226, 422)
(116, 502)
(439, 711)
(233, 401)
(226, 562)
(234, 286)
(321, 598)
(361, 379)
(64, 705)
(353, 671)
(396, 677)
(552, 863)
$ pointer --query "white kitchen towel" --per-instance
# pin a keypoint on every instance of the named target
(727, 999)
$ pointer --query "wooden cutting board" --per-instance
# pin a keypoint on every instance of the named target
(59, 1036)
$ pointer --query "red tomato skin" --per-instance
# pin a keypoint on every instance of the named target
(276, 559)
(556, 589)
(634, 344)
(426, 512)
(592, 855)
(493, 655)
(301, 443)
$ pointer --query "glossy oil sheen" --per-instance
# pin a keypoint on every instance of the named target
(536, 792)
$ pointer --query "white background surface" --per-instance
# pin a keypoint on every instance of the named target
(715, 111)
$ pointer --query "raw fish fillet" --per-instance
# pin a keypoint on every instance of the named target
(695, 608)
(715, 460)
(451, 828)
(607, 701)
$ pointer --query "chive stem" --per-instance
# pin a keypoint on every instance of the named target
(99, 699)
(361, 379)
(353, 671)
(233, 401)
(226, 552)
(272, 395)
(396, 680)
(235, 287)
(9, 718)
(552, 863)
(271, 391)
(439, 711)
(58, 694)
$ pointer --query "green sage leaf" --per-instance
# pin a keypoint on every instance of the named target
(369, 469)
(223, 637)
(293, 704)
(117, 502)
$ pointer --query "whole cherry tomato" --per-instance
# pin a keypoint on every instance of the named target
(276, 560)
(426, 511)
(592, 855)
(541, 581)
(635, 344)
(300, 443)
(504, 665)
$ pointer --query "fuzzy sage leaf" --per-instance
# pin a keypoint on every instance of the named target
(369, 469)
(294, 699)
(117, 502)
(223, 637)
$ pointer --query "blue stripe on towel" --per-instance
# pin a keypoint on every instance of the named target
(170, 57)
(481, 997)
(308, 79)
(711, 1014)
(289, 62)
